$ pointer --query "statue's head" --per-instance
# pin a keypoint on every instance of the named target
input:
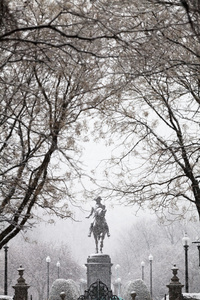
(98, 200)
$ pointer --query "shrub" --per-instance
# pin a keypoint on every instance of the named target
(137, 286)
(68, 286)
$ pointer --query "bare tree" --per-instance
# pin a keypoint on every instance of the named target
(147, 237)
(136, 64)
(54, 76)
(156, 120)
(32, 257)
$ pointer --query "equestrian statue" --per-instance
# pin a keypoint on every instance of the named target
(99, 226)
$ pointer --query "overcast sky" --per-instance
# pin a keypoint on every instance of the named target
(75, 234)
(119, 218)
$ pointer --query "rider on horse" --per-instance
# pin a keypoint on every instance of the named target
(98, 211)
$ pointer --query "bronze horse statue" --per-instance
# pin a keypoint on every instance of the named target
(99, 226)
(100, 229)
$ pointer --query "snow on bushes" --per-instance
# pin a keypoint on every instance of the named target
(68, 286)
(137, 286)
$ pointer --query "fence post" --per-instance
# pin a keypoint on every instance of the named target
(21, 288)
(62, 295)
(133, 295)
(175, 287)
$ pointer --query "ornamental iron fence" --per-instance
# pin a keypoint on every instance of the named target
(98, 291)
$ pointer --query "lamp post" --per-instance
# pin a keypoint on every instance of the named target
(118, 282)
(186, 241)
(198, 247)
(6, 271)
(58, 268)
(48, 260)
(117, 267)
(151, 273)
(142, 265)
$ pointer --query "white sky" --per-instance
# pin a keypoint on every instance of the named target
(75, 234)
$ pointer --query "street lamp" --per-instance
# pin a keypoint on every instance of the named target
(117, 267)
(48, 260)
(58, 267)
(186, 241)
(142, 265)
(118, 282)
(6, 271)
(198, 247)
(150, 262)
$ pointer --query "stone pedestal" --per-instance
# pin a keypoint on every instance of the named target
(99, 267)
(175, 287)
(21, 288)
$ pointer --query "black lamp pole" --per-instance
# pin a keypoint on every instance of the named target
(58, 268)
(151, 276)
(6, 271)
(186, 241)
(198, 247)
(48, 260)
(142, 265)
(186, 269)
